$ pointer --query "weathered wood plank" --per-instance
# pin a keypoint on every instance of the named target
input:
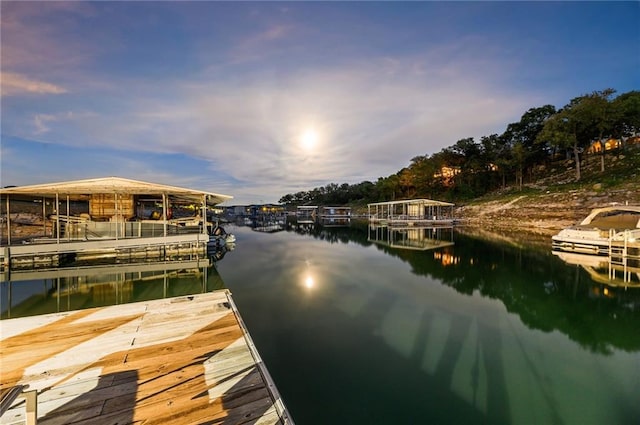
(181, 360)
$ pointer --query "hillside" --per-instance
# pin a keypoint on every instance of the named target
(555, 200)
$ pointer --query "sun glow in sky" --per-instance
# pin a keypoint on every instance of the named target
(309, 139)
(309, 282)
(208, 95)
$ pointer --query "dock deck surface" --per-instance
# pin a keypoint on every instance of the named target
(180, 360)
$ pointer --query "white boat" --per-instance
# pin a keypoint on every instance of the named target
(219, 237)
(601, 227)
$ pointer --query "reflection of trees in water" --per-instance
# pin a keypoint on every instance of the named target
(356, 232)
(546, 293)
(406, 389)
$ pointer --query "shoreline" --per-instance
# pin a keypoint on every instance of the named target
(545, 213)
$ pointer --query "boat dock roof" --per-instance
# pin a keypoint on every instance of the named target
(181, 360)
(118, 185)
(421, 202)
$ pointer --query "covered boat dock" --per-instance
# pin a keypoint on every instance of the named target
(307, 213)
(105, 217)
(411, 212)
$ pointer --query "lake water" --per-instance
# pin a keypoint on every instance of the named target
(354, 331)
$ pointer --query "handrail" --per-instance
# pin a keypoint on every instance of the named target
(625, 235)
(69, 218)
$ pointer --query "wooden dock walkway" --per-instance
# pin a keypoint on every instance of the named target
(179, 360)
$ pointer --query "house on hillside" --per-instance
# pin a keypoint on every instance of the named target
(447, 174)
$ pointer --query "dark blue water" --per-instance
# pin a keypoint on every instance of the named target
(405, 330)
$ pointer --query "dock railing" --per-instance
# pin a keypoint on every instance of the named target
(623, 248)
(74, 228)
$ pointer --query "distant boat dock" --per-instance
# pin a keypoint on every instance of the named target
(186, 359)
(411, 212)
(327, 216)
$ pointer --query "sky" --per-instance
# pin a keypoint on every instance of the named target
(260, 99)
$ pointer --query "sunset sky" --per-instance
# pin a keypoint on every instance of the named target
(260, 99)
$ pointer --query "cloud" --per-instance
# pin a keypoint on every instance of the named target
(32, 36)
(371, 118)
(16, 84)
(261, 45)
(41, 122)
(239, 108)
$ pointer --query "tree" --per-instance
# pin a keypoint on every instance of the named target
(388, 187)
(597, 118)
(406, 182)
(524, 134)
(424, 171)
(474, 177)
(286, 199)
(577, 124)
(560, 130)
(519, 153)
(497, 154)
(626, 115)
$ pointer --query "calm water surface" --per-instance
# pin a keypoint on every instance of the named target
(358, 332)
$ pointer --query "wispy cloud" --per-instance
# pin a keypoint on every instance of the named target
(14, 84)
(231, 88)
(370, 122)
(260, 45)
(42, 122)
(34, 39)
(372, 113)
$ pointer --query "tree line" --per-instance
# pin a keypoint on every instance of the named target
(471, 168)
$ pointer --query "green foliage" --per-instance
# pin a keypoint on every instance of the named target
(468, 169)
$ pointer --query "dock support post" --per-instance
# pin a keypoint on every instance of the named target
(164, 213)
(31, 398)
(8, 222)
(44, 216)
(57, 218)
(67, 227)
(115, 208)
(6, 261)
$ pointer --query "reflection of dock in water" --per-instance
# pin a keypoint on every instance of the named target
(416, 238)
(185, 359)
(335, 221)
(605, 270)
(32, 292)
(102, 272)
(269, 227)
(306, 214)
